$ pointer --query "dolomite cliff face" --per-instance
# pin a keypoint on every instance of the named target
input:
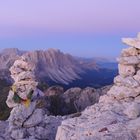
(117, 115)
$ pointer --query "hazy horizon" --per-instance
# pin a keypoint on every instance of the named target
(84, 28)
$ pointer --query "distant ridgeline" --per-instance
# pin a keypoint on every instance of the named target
(54, 67)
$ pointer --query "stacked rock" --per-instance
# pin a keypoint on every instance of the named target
(24, 84)
(127, 83)
(23, 98)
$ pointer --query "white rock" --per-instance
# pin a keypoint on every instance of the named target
(18, 134)
(10, 103)
(138, 66)
(98, 122)
(137, 76)
(131, 51)
(36, 93)
(126, 81)
(131, 60)
(3, 130)
(133, 42)
(20, 113)
(26, 83)
(121, 92)
(21, 64)
(23, 76)
(137, 99)
(133, 110)
(14, 70)
(138, 72)
(35, 119)
(126, 70)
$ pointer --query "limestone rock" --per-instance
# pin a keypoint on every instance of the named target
(18, 134)
(126, 70)
(35, 119)
(3, 130)
(15, 70)
(87, 97)
(133, 110)
(18, 114)
(76, 99)
(101, 122)
(133, 42)
(129, 52)
(23, 75)
(54, 90)
(122, 92)
(10, 103)
(117, 115)
(126, 81)
(20, 63)
(137, 99)
(131, 60)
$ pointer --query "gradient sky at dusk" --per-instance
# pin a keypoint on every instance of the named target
(88, 28)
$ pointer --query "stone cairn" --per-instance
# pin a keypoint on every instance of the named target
(24, 99)
(127, 83)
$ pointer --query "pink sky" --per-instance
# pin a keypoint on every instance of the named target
(80, 27)
(70, 16)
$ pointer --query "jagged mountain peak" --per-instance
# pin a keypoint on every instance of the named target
(55, 65)
(52, 66)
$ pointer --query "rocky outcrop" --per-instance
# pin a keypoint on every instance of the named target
(76, 99)
(54, 91)
(72, 100)
(117, 115)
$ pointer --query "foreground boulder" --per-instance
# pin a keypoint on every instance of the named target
(117, 115)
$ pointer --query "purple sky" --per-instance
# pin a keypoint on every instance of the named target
(72, 26)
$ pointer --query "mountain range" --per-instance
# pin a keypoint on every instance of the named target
(55, 67)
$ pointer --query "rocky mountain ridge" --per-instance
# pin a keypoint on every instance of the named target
(51, 64)
(54, 67)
